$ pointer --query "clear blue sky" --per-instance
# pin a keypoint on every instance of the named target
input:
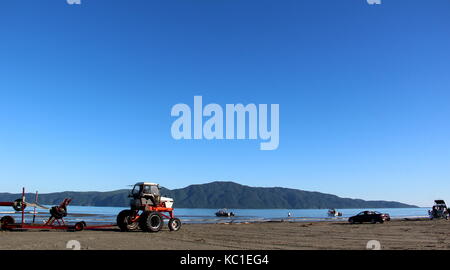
(364, 93)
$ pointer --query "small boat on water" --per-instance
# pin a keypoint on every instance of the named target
(334, 213)
(224, 213)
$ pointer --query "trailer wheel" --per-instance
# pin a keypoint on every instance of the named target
(80, 226)
(124, 221)
(151, 221)
(174, 224)
(5, 221)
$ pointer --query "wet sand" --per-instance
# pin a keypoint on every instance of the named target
(398, 234)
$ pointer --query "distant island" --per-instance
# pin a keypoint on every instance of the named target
(219, 195)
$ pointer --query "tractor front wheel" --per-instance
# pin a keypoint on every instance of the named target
(174, 224)
(124, 221)
(151, 221)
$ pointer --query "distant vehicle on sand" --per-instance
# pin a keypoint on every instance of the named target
(369, 216)
(439, 210)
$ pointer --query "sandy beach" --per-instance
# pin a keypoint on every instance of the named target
(393, 235)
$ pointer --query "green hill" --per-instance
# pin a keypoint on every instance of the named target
(219, 195)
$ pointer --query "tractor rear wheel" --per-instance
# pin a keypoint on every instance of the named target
(151, 221)
(124, 221)
(174, 224)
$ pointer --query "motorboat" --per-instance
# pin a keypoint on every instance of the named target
(224, 213)
(334, 213)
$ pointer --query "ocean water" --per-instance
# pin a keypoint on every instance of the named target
(107, 215)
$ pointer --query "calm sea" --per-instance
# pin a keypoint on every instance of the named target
(102, 215)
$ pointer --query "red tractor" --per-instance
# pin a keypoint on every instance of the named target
(148, 209)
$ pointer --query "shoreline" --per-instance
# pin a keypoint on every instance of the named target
(107, 219)
(331, 235)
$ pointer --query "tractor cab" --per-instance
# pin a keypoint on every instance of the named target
(144, 194)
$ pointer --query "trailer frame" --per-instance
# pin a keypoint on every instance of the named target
(51, 224)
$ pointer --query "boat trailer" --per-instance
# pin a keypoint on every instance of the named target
(54, 222)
